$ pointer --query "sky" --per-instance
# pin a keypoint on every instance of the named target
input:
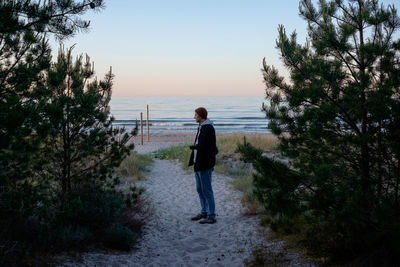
(188, 47)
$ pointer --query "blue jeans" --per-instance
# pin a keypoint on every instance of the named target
(206, 195)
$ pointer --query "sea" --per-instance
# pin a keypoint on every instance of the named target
(176, 114)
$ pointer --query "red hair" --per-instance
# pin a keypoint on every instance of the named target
(202, 112)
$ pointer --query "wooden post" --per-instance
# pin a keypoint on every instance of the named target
(141, 128)
(147, 123)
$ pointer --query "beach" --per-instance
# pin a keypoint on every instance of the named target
(170, 238)
(164, 140)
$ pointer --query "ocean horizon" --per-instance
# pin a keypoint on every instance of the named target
(175, 114)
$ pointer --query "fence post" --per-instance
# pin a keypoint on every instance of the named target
(141, 128)
(147, 123)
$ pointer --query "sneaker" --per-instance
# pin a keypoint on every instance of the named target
(208, 220)
(198, 217)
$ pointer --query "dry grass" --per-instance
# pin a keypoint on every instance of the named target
(227, 143)
(134, 166)
(180, 153)
(229, 163)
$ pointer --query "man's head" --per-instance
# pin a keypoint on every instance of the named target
(200, 114)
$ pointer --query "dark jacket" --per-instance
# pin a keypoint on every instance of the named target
(206, 148)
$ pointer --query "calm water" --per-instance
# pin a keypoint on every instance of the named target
(175, 114)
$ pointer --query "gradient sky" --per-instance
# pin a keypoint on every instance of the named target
(188, 47)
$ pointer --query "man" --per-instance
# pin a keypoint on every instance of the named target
(203, 159)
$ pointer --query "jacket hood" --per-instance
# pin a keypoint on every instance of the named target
(207, 121)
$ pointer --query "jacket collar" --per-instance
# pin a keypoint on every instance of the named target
(206, 122)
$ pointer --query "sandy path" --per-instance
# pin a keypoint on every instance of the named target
(170, 238)
(177, 240)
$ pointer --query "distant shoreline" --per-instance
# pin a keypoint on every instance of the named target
(175, 114)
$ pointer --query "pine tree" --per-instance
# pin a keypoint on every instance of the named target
(83, 148)
(338, 121)
(24, 59)
(61, 17)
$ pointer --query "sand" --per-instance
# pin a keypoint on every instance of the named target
(170, 238)
(159, 141)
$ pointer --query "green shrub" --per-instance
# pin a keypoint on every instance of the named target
(73, 236)
(133, 196)
(92, 208)
(119, 237)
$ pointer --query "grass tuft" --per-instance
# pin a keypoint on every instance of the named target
(135, 165)
(180, 153)
(228, 143)
(229, 163)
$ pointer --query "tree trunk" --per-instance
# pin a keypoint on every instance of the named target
(365, 157)
(64, 164)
